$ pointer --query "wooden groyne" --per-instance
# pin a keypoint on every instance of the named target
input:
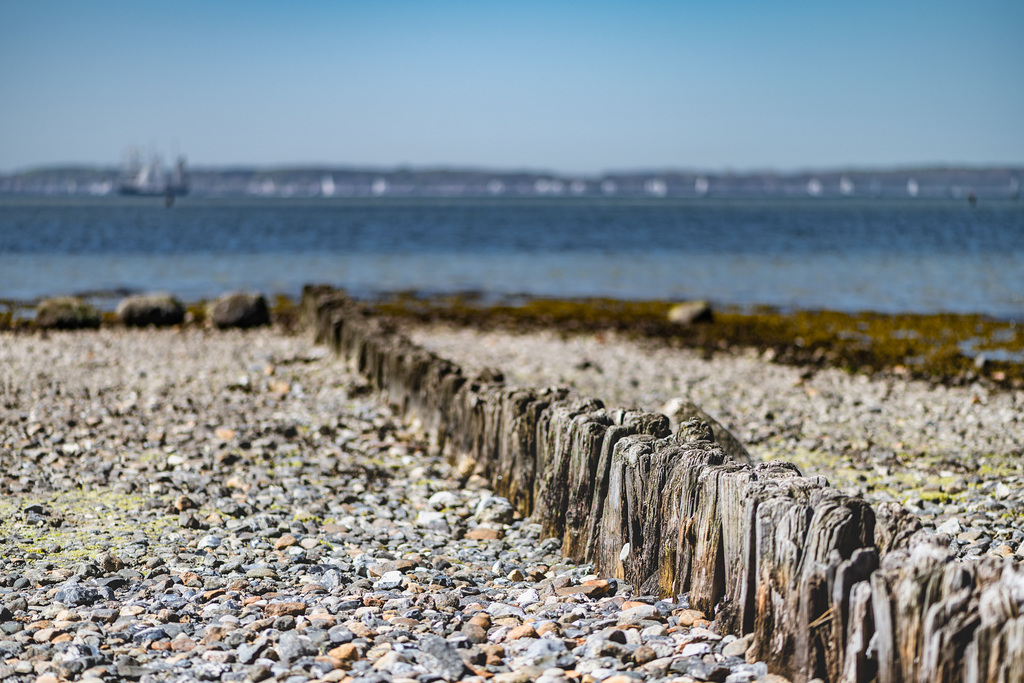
(829, 587)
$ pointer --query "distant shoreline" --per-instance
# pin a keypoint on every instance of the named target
(339, 182)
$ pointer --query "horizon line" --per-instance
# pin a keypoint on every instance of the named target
(469, 168)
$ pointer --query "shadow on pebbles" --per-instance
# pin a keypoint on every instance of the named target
(235, 506)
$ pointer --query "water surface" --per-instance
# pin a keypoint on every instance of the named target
(851, 254)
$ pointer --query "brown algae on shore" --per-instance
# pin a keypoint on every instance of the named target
(944, 347)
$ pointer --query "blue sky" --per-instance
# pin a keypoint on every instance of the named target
(567, 86)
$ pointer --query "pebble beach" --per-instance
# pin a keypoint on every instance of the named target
(189, 504)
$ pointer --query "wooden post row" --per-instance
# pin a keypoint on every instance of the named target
(829, 587)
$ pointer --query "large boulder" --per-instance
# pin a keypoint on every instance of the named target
(157, 309)
(690, 312)
(240, 309)
(66, 313)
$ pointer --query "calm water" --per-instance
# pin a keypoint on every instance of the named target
(884, 255)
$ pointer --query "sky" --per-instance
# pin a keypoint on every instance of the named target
(576, 87)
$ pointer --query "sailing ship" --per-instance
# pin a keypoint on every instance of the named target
(150, 179)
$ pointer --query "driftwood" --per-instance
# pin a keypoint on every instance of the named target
(829, 587)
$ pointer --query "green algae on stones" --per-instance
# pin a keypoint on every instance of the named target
(67, 526)
(158, 309)
(66, 313)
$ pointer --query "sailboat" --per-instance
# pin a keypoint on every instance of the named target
(656, 187)
(150, 179)
(327, 187)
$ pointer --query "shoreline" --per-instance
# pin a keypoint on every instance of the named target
(948, 349)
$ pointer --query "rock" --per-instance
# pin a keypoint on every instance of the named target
(261, 573)
(340, 634)
(74, 595)
(285, 541)
(524, 675)
(240, 309)
(248, 652)
(443, 499)
(494, 509)
(695, 649)
(428, 517)
(109, 562)
(635, 615)
(738, 647)
(708, 671)
(690, 617)
(592, 589)
(292, 645)
(543, 653)
(66, 313)
(690, 312)
(389, 581)
(644, 654)
(345, 652)
(475, 629)
(209, 541)
(499, 610)
(441, 657)
(607, 643)
(331, 579)
(657, 630)
(128, 667)
(522, 631)
(528, 597)
(951, 526)
(481, 533)
(152, 633)
(291, 609)
(158, 309)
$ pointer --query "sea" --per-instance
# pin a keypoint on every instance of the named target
(847, 254)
